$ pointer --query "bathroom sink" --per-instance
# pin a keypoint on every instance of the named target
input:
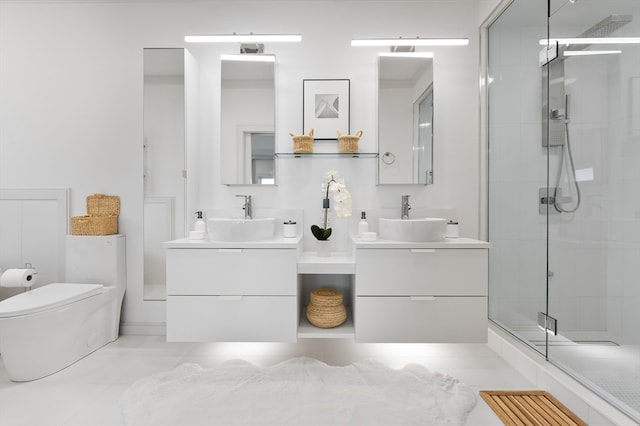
(229, 229)
(413, 230)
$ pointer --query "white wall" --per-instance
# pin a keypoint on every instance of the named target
(71, 103)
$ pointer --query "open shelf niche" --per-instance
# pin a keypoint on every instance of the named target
(336, 271)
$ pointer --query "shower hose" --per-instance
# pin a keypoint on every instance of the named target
(571, 174)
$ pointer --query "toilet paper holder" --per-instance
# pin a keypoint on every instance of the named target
(19, 277)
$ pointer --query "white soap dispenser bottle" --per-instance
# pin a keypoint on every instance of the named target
(363, 225)
(199, 228)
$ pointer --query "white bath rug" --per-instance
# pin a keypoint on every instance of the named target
(300, 391)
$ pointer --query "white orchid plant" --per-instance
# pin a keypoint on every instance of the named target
(342, 203)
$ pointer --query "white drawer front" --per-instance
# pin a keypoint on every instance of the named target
(232, 318)
(421, 319)
(231, 272)
(427, 272)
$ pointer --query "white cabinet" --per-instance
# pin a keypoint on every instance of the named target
(421, 294)
(232, 294)
(394, 292)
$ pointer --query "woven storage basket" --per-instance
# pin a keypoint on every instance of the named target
(325, 297)
(101, 218)
(325, 309)
(349, 143)
(94, 225)
(302, 143)
(103, 205)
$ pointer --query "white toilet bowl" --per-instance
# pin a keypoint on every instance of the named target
(49, 328)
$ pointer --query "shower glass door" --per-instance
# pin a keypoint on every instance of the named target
(517, 171)
(564, 187)
(594, 228)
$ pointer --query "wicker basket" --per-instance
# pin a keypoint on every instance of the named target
(94, 225)
(101, 218)
(325, 297)
(302, 143)
(103, 205)
(349, 143)
(325, 309)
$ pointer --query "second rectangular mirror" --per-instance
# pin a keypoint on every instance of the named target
(405, 120)
(247, 119)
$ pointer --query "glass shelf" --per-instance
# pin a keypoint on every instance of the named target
(326, 154)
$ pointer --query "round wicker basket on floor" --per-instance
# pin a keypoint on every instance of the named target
(325, 309)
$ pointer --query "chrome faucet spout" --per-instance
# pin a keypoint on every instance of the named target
(246, 206)
(405, 207)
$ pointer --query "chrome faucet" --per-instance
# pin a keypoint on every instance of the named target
(404, 212)
(246, 206)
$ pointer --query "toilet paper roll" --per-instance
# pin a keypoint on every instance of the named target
(25, 277)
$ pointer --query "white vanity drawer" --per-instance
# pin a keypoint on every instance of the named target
(421, 319)
(231, 272)
(232, 318)
(418, 272)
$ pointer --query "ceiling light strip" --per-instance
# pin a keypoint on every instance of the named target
(591, 52)
(592, 40)
(410, 42)
(243, 38)
(407, 54)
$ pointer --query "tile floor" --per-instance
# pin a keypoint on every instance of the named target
(87, 393)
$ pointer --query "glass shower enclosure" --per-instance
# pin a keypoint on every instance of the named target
(563, 138)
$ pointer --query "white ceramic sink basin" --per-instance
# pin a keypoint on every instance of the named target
(228, 229)
(413, 230)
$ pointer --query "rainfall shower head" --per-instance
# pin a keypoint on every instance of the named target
(608, 25)
(603, 28)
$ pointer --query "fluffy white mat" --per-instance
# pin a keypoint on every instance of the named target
(300, 391)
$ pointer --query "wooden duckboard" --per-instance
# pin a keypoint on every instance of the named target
(530, 408)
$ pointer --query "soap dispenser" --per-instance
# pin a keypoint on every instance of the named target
(199, 228)
(363, 225)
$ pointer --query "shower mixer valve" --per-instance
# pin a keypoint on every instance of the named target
(549, 197)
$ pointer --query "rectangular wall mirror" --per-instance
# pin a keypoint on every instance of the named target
(405, 120)
(247, 119)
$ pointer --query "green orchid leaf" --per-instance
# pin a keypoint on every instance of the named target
(320, 233)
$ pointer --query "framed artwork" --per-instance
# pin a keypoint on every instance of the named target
(325, 107)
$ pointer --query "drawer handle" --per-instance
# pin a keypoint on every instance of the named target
(230, 298)
(423, 250)
(222, 250)
(423, 298)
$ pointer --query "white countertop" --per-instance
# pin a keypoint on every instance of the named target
(281, 242)
(277, 242)
(460, 242)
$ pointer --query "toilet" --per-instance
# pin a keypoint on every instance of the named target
(50, 327)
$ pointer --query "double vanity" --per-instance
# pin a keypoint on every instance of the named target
(396, 291)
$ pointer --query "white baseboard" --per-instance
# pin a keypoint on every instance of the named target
(143, 328)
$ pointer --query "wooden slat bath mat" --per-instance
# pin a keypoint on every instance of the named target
(525, 408)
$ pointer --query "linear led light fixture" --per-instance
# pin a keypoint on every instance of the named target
(249, 57)
(407, 54)
(410, 42)
(590, 52)
(592, 40)
(243, 38)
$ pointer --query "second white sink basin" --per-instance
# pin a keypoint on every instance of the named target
(229, 229)
(427, 229)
